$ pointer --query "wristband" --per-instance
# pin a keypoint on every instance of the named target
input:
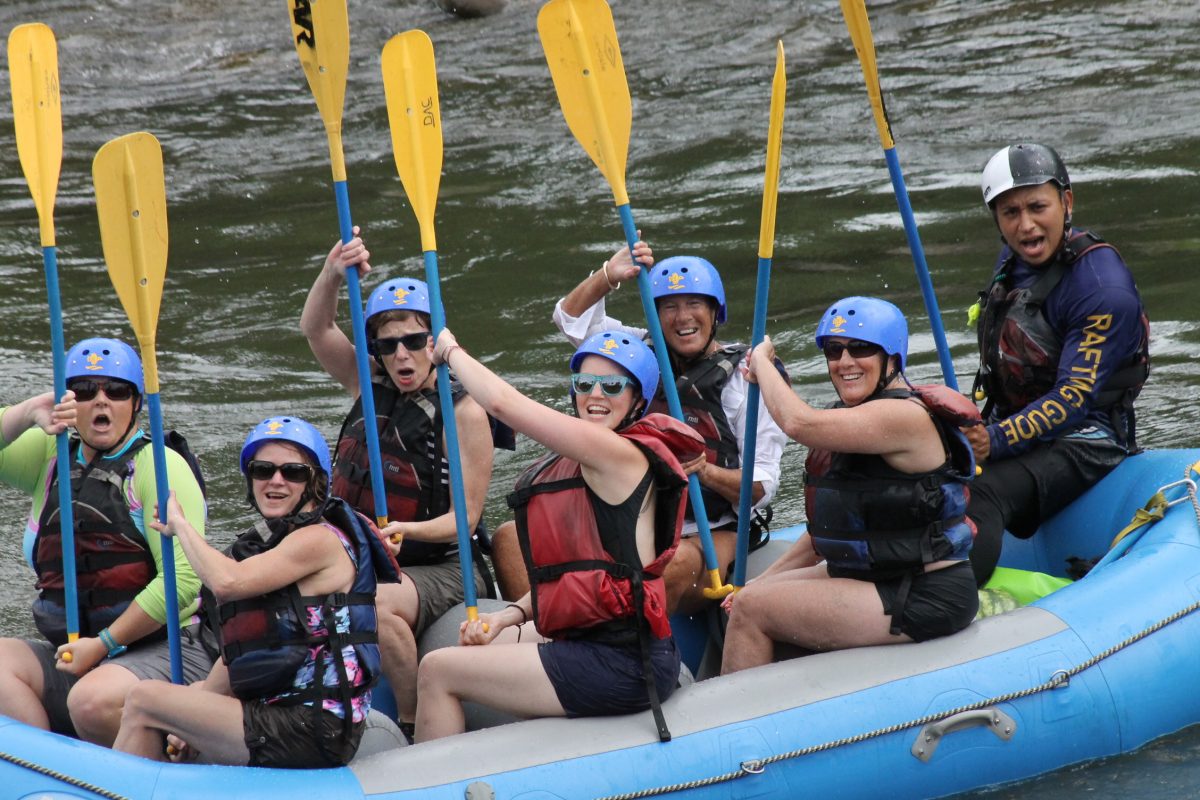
(609, 280)
(114, 649)
(524, 616)
(449, 350)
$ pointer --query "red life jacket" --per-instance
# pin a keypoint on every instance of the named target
(112, 561)
(414, 466)
(584, 581)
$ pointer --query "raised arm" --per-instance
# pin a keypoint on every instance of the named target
(318, 322)
(592, 445)
(581, 313)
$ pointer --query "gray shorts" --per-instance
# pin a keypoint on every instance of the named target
(147, 662)
(439, 588)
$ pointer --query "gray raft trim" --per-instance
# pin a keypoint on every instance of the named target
(708, 704)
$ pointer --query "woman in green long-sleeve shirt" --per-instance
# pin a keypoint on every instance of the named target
(79, 688)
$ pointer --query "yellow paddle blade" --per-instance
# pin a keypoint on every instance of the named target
(766, 228)
(131, 200)
(855, 12)
(410, 85)
(321, 31)
(585, 62)
(37, 116)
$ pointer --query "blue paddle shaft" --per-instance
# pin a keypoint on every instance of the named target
(450, 425)
(668, 384)
(66, 511)
(162, 489)
(750, 443)
(918, 254)
(358, 325)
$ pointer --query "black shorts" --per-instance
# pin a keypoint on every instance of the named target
(939, 603)
(594, 680)
(285, 736)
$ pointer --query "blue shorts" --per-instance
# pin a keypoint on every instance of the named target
(593, 680)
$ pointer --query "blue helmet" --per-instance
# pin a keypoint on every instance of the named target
(398, 294)
(106, 358)
(688, 275)
(868, 319)
(292, 430)
(626, 351)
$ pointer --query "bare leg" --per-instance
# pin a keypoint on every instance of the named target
(21, 684)
(511, 577)
(686, 575)
(97, 700)
(398, 647)
(508, 677)
(210, 723)
(807, 609)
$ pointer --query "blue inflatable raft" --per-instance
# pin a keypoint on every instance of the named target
(1095, 669)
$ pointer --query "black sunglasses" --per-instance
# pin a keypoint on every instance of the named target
(858, 349)
(412, 342)
(610, 385)
(85, 389)
(292, 473)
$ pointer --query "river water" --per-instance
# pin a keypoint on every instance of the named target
(523, 214)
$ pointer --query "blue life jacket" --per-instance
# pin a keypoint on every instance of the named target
(871, 521)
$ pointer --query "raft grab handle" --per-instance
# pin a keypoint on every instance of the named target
(932, 734)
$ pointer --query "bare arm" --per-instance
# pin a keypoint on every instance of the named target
(898, 429)
(318, 322)
(39, 410)
(619, 268)
(616, 463)
(306, 552)
(475, 449)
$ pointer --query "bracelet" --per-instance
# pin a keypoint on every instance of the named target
(524, 616)
(449, 350)
(114, 649)
(608, 279)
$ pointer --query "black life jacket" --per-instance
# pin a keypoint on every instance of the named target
(586, 580)
(1019, 350)
(700, 387)
(872, 522)
(265, 640)
(112, 560)
(414, 464)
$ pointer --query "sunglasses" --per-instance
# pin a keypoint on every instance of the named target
(858, 349)
(610, 385)
(411, 341)
(292, 473)
(85, 389)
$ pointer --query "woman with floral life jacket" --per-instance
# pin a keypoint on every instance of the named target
(597, 520)
(886, 480)
(293, 601)
(416, 473)
(1064, 351)
(690, 299)
(79, 687)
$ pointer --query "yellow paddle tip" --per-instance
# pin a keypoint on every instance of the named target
(67, 657)
(171, 750)
(396, 538)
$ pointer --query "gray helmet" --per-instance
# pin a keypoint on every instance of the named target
(1022, 165)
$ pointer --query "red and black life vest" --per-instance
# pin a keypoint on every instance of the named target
(584, 580)
(414, 464)
(871, 521)
(265, 640)
(112, 561)
(1019, 350)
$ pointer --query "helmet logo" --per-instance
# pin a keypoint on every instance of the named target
(838, 324)
(94, 362)
(398, 297)
(274, 427)
(609, 346)
(675, 281)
